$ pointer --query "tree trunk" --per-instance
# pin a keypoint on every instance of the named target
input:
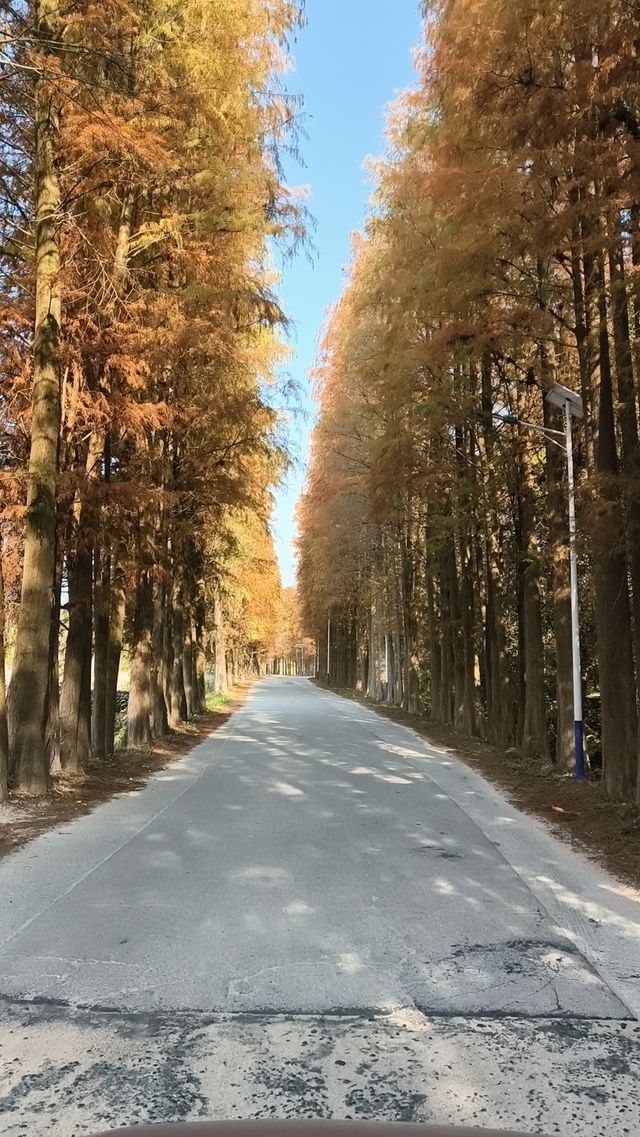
(500, 717)
(75, 698)
(628, 420)
(201, 691)
(467, 605)
(102, 601)
(28, 691)
(74, 748)
(409, 626)
(447, 682)
(178, 697)
(480, 624)
(461, 551)
(53, 696)
(534, 739)
(4, 737)
(491, 686)
(587, 359)
(114, 650)
(612, 607)
(561, 596)
(166, 670)
(160, 717)
(220, 681)
(140, 702)
(187, 666)
(456, 634)
(200, 653)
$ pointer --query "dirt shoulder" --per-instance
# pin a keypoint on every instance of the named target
(22, 819)
(577, 811)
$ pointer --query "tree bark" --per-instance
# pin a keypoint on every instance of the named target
(467, 603)
(200, 654)
(166, 669)
(178, 708)
(140, 701)
(587, 357)
(114, 650)
(187, 666)
(447, 681)
(409, 624)
(561, 596)
(456, 633)
(4, 736)
(500, 717)
(160, 717)
(102, 601)
(28, 691)
(461, 548)
(612, 606)
(201, 690)
(74, 714)
(628, 420)
(75, 697)
(221, 682)
(53, 695)
(534, 739)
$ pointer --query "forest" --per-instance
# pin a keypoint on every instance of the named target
(501, 256)
(141, 344)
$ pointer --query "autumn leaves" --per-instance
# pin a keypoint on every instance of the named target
(140, 190)
(501, 255)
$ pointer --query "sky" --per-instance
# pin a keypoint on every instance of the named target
(350, 61)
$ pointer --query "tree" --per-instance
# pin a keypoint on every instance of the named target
(494, 263)
(29, 689)
(150, 183)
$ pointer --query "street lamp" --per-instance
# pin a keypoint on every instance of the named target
(571, 403)
(562, 397)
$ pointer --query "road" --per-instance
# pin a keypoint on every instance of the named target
(316, 912)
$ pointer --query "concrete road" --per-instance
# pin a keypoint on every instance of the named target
(316, 912)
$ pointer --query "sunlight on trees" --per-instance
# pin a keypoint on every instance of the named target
(500, 256)
(141, 187)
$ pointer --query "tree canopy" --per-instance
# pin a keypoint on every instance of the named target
(141, 195)
(500, 257)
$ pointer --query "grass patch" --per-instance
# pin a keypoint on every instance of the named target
(215, 702)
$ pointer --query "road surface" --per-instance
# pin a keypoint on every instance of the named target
(315, 913)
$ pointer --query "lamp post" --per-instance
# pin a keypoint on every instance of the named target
(571, 404)
(559, 396)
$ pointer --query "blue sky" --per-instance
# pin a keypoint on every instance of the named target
(351, 59)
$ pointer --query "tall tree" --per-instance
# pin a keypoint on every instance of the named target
(494, 262)
(29, 687)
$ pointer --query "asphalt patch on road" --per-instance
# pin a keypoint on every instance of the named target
(73, 1072)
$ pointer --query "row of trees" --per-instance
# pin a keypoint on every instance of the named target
(140, 191)
(501, 255)
(293, 652)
